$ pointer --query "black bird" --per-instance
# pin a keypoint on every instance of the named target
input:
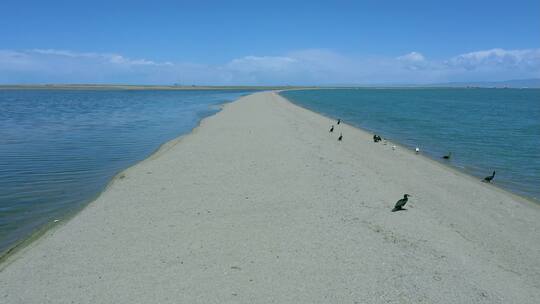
(375, 138)
(488, 179)
(332, 129)
(338, 121)
(340, 137)
(447, 156)
(401, 203)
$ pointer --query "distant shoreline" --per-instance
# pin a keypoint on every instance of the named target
(129, 87)
(142, 87)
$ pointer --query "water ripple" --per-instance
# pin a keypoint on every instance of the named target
(58, 149)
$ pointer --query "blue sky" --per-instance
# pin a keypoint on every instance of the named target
(268, 42)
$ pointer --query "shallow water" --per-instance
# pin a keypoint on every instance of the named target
(485, 129)
(60, 148)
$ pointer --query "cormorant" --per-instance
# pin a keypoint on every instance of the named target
(488, 179)
(340, 137)
(401, 203)
(447, 156)
(374, 137)
(338, 121)
(332, 129)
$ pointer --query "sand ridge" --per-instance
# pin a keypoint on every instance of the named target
(261, 204)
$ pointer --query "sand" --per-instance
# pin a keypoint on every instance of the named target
(261, 204)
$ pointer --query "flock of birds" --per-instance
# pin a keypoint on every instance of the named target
(340, 138)
(400, 204)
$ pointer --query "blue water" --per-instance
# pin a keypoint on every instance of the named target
(485, 129)
(59, 149)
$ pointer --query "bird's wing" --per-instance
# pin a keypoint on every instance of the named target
(401, 203)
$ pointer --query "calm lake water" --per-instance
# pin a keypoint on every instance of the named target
(60, 148)
(485, 129)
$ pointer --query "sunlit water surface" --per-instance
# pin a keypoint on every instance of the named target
(60, 148)
(485, 129)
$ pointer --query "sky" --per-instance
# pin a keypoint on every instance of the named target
(268, 42)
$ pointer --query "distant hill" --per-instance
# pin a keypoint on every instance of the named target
(517, 83)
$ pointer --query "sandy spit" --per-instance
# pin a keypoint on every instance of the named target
(261, 204)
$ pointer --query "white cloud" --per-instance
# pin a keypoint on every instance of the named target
(112, 58)
(13, 60)
(412, 57)
(497, 58)
(66, 53)
(51, 65)
(264, 63)
(311, 66)
(413, 61)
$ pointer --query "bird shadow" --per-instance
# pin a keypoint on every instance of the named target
(399, 209)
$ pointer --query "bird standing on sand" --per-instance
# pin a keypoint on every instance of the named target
(338, 121)
(340, 137)
(332, 129)
(417, 150)
(401, 203)
(488, 179)
(447, 156)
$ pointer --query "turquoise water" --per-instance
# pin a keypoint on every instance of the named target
(485, 129)
(59, 148)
